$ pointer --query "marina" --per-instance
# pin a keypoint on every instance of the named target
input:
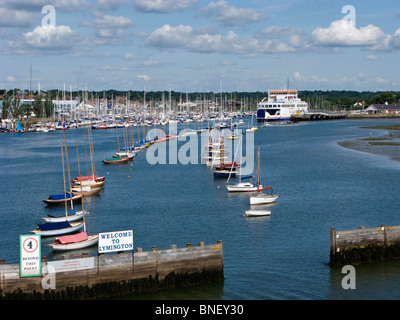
(281, 254)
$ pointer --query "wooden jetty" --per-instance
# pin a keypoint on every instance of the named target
(319, 115)
(364, 245)
(120, 274)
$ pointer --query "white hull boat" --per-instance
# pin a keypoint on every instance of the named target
(257, 213)
(262, 198)
(70, 218)
(74, 242)
(243, 187)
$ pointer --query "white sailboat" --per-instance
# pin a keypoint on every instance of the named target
(74, 242)
(260, 197)
(241, 186)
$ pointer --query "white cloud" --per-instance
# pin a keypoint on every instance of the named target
(16, 18)
(151, 63)
(50, 37)
(394, 41)
(36, 5)
(170, 37)
(371, 57)
(129, 56)
(10, 79)
(162, 6)
(185, 37)
(143, 77)
(232, 16)
(281, 30)
(110, 4)
(341, 33)
(45, 40)
(381, 80)
(298, 76)
(313, 78)
(110, 30)
(107, 21)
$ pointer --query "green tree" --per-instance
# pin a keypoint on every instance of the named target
(38, 106)
(6, 106)
(383, 98)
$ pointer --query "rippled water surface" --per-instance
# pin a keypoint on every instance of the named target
(283, 256)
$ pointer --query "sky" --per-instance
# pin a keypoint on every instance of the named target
(199, 45)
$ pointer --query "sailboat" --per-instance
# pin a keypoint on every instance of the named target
(57, 228)
(75, 241)
(89, 178)
(225, 169)
(242, 186)
(116, 160)
(58, 199)
(118, 157)
(60, 225)
(260, 197)
(253, 128)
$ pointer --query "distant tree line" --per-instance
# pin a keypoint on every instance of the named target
(331, 99)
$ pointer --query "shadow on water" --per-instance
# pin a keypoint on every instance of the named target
(373, 281)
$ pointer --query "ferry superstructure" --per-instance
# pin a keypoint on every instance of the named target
(280, 106)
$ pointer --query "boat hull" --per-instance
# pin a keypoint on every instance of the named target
(61, 201)
(87, 192)
(74, 227)
(91, 241)
(116, 161)
(263, 199)
(257, 213)
(70, 218)
(243, 187)
(223, 174)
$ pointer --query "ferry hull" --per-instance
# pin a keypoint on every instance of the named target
(262, 116)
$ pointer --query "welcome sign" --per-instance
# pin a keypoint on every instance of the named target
(115, 241)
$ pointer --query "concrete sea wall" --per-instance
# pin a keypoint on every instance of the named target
(119, 274)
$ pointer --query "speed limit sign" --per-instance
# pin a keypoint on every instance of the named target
(30, 256)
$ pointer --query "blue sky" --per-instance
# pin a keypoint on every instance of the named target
(198, 45)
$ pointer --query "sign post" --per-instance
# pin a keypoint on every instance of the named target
(30, 256)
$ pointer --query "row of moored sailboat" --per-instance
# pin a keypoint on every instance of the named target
(216, 159)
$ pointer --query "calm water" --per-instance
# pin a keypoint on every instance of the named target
(283, 256)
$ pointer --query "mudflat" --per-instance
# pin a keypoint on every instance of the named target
(386, 145)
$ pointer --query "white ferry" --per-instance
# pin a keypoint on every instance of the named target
(280, 106)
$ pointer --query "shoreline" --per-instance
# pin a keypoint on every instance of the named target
(387, 145)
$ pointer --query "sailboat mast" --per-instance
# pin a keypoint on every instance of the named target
(91, 151)
(69, 174)
(65, 191)
(84, 141)
(83, 206)
(258, 168)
